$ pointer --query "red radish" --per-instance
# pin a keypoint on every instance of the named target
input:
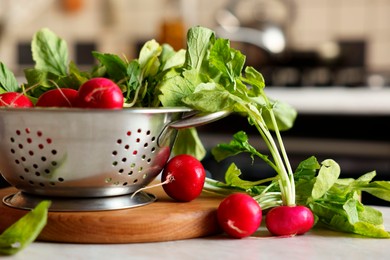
(289, 220)
(100, 93)
(184, 176)
(239, 215)
(14, 99)
(60, 97)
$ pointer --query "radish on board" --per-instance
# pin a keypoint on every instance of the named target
(59, 97)
(183, 177)
(239, 215)
(100, 93)
(289, 220)
(14, 99)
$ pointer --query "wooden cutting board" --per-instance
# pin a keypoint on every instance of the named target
(163, 220)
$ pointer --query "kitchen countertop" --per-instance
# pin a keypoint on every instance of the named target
(334, 100)
(316, 244)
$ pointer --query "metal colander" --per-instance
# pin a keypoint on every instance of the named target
(78, 153)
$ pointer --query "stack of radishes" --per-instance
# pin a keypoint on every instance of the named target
(94, 93)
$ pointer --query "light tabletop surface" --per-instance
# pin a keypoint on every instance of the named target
(317, 244)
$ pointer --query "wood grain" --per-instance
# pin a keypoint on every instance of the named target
(163, 220)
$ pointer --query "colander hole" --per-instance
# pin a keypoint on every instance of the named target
(18, 132)
(139, 130)
(39, 133)
(48, 140)
(146, 145)
(29, 140)
(17, 161)
(20, 146)
(138, 140)
(119, 141)
(127, 147)
(12, 140)
(31, 182)
(23, 159)
(145, 176)
(43, 158)
(53, 152)
(121, 170)
(37, 174)
(47, 171)
(135, 152)
(26, 170)
(40, 146)
(116, 183)
(149, 160)
(124, 159)
(143, 157)
(27, 130)
(31, 153)
(135, 181)
(35, 166)
(21, 177)
(125, 183)
(128, 133)
(140, 169)
(54, 163)
(148, 132)
(114, 163)
(41, 184)
(114, 153)
(108, 180)
(132, 165)
(12, 151)
(61, 179)
(153, 149)
(130, 173)
(153, 139)
(52, 183)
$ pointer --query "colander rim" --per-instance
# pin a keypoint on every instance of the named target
(129, 110)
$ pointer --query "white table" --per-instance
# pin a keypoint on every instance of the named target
(317, 244)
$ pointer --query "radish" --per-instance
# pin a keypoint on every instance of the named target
(183, 177)
(14, 99)
(100, 93)
(289, 220)
(239, 215)
(60, 97)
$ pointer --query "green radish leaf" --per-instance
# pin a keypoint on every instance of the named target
(232, 178)
(173, 88)
(188, 142)
(116, 68)
(8, 82)
(49, 52)
(379, 189)
(25, 230)
(149, 58)
(327, 176)
(199, 40)
(171, 59)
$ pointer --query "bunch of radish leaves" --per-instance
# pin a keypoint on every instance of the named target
(218, 80)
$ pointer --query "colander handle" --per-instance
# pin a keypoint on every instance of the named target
(198, 119)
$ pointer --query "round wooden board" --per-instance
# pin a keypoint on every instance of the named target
(163, 220)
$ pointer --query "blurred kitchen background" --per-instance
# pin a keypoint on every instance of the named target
(330, 59)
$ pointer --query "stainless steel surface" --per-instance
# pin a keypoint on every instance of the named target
(26, 201)
(257, 22)
(86, 153)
